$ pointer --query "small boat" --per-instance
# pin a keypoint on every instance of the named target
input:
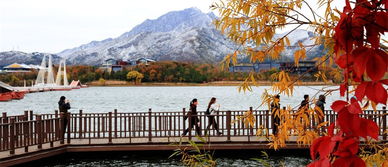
(17, 95)
(5, 96)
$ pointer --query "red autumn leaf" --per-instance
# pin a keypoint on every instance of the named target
(343, 37)
(341, 61)
(354, 107)
(383, 54)
(376, 67)
(353, 161)
(381, 21)
(342, 89)
(349, 123)
(376, 92)
(330, 129)
(368, 128)
(347, 148)
(338, 105)
(372, 35)
(315, 145)
(361, 57)
(358, 162)
(320, 163)
(322, 146)
(385, 81)
(360, 90)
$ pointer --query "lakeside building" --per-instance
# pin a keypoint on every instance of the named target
(15, 67)
(303, 67)
(113, 65)
(287, 66)
(255, 67)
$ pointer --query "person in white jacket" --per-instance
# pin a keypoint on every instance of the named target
(211, 112)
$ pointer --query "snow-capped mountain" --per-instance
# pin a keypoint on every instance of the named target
(186, 35)
(306, 38)
(7, 58)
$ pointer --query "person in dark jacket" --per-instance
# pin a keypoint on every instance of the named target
(64, 106)
(275, 110)
(194, 118)
(320, 104)
(305, 103)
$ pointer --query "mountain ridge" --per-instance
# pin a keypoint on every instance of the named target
(186, 35)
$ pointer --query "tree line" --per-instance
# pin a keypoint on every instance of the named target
(166, 71)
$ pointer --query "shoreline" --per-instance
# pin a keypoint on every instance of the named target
(112, 83)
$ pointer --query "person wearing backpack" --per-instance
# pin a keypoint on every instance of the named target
(211, 112)
(194, 118)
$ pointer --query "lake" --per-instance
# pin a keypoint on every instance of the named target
(140, 99)
(232, 158)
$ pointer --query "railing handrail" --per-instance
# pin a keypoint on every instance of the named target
(36, 129)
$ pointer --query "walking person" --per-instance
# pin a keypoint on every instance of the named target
(64, 106)
(275, 110)
(305, 103)
(211, 112)
(320, 108)
(194, 120)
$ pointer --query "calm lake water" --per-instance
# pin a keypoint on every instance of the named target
(139, 99)
(232, 158)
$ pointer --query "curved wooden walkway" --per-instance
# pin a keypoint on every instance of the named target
(29, 137)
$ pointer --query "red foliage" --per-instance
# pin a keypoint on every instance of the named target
(362, 59)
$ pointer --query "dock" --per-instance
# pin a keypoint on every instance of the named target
(28, 137)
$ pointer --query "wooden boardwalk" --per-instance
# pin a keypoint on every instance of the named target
(29, 137)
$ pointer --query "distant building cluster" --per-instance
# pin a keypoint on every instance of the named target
(303, 67)
(118, 65)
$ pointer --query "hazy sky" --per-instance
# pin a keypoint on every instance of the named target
(55, 25)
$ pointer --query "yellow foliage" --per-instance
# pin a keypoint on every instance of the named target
(136, 76)
(284, 84)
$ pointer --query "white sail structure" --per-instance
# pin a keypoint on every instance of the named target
(59, 74)
(50, 73)
(65, 81)
(42, 72)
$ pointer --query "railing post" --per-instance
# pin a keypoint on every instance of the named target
(149, 125)
(68, 116)
(12, 136)
(251, 126)
(80, 124)
(25, 131)
(115, 116)
(5, 131)
(62, 128)
(31, 115)
(110, 127)
(384, 123)
(228, 125)
(183, 119)
(267, 114)
(25, 117)
(5, 120)
(190, 126)
(56, 113)
(39, 130)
